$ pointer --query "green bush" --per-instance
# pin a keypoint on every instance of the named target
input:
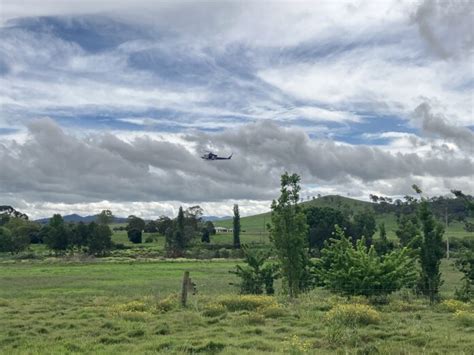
(352, 315)
(258, 274)
(168, 303)
(358, 270)
(214, 310)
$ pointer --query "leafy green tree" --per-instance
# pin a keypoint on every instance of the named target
(23, 232)
(105, 217)
(193, 217)
(321, 222)
(383, 245)
(288, 234)
(408, 232)
(151, 227)
(100, 239)
(364, 225)
(210, 227)
(57, 238)
(5, 240)
(431, 252)
(163, 223)
(135, 222)
(56, 221)
(207, 230)
(236, 226)
(80, 234)
(176, 236)
(465, 264)
(58, 234)
(134, 235)
(358, 270)
(205, 237)
(257, 275)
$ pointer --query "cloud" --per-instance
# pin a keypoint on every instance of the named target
(326, 89)
(437, 124)
(446, 26)
(54, 166)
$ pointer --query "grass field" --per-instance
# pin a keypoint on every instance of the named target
(114, 307)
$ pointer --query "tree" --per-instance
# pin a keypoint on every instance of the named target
(23, 232)
(105, 217)
(205, 236)
(383, 245)
(151, 227)
(134, 235)
(288, 234)
(364, 225)
(431, 252)
(58, 234)
(135, 223)
(236, 227)
(163, 223)
(258, 274)
(176, 236)
(192, 216)
(321, 222)
(210, 227)
(80, 235)
(207, 230)
(5, 240)
(99, 241)
(358, 270)
(408, 232)
(57, 238)
(465, 264)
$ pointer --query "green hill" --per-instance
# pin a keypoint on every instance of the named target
(256, 223)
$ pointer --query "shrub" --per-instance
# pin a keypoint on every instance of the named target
(352, 315)
(168, 303)
(358, 270)
(135, 236)
(246, 302)
(454, 306)
(274, 311)
(223, 253)
(465, 318)
(149, 239)
(257, 275)
(214, 310)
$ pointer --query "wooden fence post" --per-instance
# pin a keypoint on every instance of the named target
(184, 289)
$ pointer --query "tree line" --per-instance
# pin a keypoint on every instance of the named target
(346, 264)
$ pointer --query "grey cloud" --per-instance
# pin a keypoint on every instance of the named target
(291, 149)
(436, 124)
(54, 166)
(446, 26)
(58, 167)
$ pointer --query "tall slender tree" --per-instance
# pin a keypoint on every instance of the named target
(431, 252)
(236, 227)
(288, 234)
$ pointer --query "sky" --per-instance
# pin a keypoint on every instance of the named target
(110, 104)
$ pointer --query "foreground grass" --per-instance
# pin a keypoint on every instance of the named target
(111, 307)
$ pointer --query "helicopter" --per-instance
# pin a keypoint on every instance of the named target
(212, 156)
